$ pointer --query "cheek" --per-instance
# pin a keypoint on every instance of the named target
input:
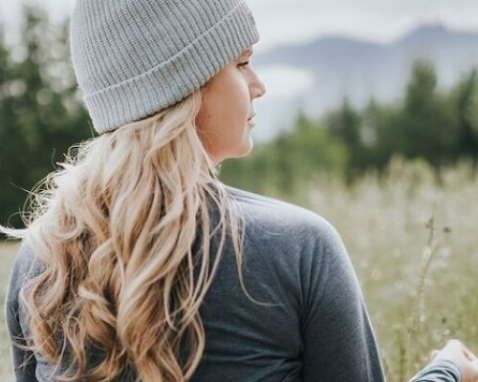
(225, 108)
(233, 100)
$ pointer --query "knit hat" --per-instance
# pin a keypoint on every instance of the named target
(133, 58)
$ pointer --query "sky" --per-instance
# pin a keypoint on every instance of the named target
(297, 21)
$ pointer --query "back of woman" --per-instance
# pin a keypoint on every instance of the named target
(308, 311)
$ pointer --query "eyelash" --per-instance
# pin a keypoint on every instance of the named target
(244, 64)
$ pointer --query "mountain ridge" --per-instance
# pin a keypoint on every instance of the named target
(340, 67)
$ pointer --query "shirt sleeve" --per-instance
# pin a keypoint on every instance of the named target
(24, 362)
(339, 341)
(439, 371)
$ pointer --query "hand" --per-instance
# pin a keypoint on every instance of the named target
(463, 358)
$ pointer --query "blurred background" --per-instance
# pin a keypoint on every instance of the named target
(370, 119)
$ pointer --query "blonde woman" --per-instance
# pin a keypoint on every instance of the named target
(137, 263)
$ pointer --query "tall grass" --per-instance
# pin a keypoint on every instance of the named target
(7, 252)
(414, 245)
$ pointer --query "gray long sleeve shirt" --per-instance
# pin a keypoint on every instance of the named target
(317, 331)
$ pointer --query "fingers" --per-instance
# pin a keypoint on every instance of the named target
(469, 355)
(473, 360)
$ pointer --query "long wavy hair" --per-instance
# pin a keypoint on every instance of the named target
(115, 227)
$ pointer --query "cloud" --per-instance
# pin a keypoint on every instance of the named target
(285, 21)
(284, 81)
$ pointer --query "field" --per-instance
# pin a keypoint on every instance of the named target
(414, 245)
(7, 252)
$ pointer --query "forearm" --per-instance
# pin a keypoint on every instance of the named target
(338, 336)
(439, 371)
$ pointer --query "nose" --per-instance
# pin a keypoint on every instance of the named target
(258, 87)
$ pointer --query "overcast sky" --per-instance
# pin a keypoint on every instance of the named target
(290, 21)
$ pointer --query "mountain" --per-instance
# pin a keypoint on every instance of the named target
(339, 66)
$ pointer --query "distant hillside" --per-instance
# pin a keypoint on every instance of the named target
(360, 69)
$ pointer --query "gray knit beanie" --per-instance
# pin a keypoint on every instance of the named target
(133, 58)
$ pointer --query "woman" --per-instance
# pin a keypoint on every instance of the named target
(136, 252)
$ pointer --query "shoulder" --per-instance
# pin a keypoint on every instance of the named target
(285, 216)
(271, 220)
(25, 266)
(25, 262)
(299, 245)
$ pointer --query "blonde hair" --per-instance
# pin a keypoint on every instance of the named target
(115, 227)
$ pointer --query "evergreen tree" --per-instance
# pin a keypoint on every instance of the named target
(428, 121)
(346, 124)
(40, 113)
(465, 99)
